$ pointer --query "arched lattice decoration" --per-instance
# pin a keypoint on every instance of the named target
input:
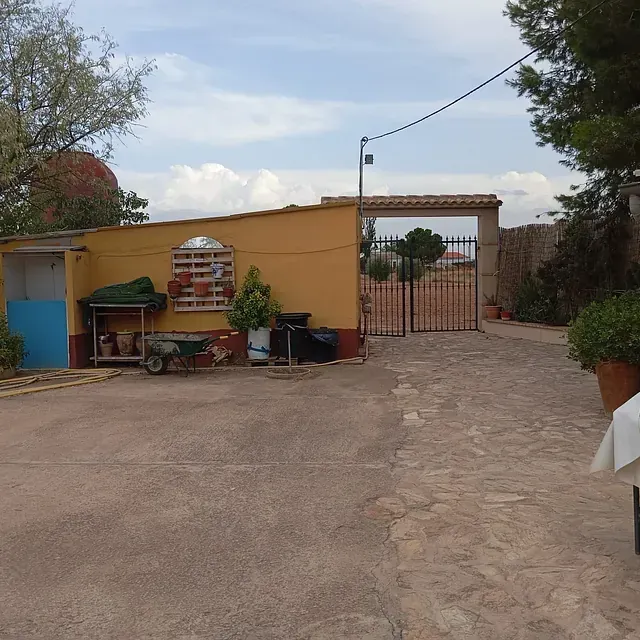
(206, 270)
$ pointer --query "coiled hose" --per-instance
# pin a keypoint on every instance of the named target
(25, 384)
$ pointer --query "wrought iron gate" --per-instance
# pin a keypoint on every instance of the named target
(418, 289)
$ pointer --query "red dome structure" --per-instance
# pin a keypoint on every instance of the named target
(73, 174)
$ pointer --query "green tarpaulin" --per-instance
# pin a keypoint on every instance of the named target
(138, 291)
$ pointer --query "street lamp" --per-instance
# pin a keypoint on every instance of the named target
(364, 159)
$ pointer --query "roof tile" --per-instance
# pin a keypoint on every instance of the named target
(423, 201)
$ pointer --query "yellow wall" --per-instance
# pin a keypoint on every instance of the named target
(309, 255)
(77, 266)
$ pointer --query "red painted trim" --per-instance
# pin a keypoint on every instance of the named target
(80, 347)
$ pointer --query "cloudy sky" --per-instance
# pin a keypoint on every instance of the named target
(261, 104)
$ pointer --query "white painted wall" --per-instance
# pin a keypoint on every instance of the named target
(39, 277)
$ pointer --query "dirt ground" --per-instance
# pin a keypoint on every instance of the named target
(439, 491)
(442, 301)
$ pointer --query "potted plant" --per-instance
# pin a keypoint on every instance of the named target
(505, 315)
(492, 308)
(174, 288)
(605, 339)
(185, 278)
(201, 288)
(228, 289)
(12, 351)
(106, 346)
(252, 310)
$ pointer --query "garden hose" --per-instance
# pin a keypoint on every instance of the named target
(22, 385)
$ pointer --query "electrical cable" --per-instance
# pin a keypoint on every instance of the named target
(495, 77)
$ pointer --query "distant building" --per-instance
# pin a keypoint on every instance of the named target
(450, 258)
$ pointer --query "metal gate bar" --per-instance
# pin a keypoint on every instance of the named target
(443, 292)
(383, 277)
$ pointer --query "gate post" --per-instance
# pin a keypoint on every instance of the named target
(487, 262)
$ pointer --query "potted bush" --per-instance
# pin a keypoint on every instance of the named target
(12, 351)
(252, 310)
(605, 339)
(492, 308)
(228, 289)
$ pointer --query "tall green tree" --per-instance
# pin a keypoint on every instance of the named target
(60, 90)
(108, 208)
(424, 245)
(584, 90)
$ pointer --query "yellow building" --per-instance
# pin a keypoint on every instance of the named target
(309, 255)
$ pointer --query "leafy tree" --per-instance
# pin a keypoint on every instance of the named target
(424, 245)
(584, 90)
(60, 90)
(379, 270)
(104, 209)
(368, 236)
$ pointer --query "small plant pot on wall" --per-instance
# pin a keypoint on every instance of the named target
(228, 292)
(185, 278)
(201, 289)
(605, 339)
(174, 288)
(505, 315)
(217, 270)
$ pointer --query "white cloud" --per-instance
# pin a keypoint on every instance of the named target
(212, 189)
(188, 105)
(475, 30)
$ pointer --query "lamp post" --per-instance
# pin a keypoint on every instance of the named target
(364, 159)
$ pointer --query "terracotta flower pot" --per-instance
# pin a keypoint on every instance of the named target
(125, 342)
(201, 289)
(174, 288)
(185, 278)
(618, 382)
(505, 315)
(106, 349)
(227, 292)
(493, 313)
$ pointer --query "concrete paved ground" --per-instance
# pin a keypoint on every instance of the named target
(440, 491)
(221, 506)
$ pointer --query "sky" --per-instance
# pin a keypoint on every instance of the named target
(256, 105)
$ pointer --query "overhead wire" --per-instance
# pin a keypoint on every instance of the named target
(549, 40)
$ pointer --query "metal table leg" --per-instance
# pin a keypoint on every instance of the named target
(636, 518)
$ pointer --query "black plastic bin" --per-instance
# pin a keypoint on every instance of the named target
(296, 325)
(324, 345)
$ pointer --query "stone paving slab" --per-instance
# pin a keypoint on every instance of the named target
(496, 528)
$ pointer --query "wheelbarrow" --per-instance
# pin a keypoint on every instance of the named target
(179, 348)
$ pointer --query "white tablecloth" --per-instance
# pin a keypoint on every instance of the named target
(620, 447)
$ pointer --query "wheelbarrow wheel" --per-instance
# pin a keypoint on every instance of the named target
(156, 365)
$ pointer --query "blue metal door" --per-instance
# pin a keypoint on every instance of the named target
(43, 323)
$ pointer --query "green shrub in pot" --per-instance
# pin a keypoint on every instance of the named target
(252, 307)
(605, 339)
(12, 351)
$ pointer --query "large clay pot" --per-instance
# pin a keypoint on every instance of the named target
(618, 382)
(493, 313)
(125, 342)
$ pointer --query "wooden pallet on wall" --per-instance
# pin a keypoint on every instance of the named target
(199, 262)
